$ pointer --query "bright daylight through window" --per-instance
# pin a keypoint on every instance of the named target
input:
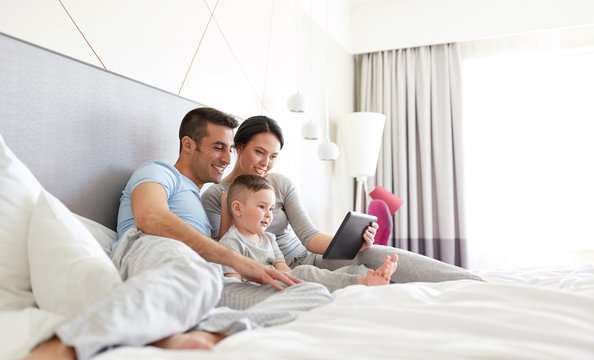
(529, 169)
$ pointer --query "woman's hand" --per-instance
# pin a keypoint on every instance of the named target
(369, 236)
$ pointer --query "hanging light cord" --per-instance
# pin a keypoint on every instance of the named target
(267, 57)
(298, 45)
(327, 77)
(297, 19)
(83, 35)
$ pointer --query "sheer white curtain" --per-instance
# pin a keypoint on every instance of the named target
(528, 128)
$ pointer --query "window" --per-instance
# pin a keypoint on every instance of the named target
(529, 157)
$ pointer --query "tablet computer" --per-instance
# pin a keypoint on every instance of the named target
(349, 238)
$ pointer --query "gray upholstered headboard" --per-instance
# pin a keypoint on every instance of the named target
(82, 130)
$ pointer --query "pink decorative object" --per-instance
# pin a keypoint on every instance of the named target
(393, 201)
(380, 209)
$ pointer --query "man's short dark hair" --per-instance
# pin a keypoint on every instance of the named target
(241, 183)
(194, 124)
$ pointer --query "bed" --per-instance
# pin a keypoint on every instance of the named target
(80, 131)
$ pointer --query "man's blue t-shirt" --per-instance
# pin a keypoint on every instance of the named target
(183, 197)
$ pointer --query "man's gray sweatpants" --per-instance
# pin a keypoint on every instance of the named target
(245, 306)
(168, 288)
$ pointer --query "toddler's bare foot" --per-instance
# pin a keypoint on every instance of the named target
(191, 340)
(389, 265)
(53, 348)
(374, 278)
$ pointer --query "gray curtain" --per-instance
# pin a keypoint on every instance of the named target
(419, 91)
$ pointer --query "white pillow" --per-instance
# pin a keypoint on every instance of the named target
(69, 269)
(18, 191)
(22, 330)
(104, 235)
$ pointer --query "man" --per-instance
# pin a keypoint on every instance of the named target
(163, 253)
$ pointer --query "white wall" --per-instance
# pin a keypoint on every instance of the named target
(392, 24)
(247, 60)
(246, 64)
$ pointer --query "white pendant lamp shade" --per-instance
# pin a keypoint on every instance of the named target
(328, 150)
(311, 131)
(297, 103)
(362, 134)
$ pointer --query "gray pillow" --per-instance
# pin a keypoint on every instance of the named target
(104, 235)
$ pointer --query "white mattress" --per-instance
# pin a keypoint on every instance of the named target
(543, 313)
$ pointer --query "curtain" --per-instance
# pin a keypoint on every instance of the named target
(419, 91)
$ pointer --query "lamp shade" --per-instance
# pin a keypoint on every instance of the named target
(311, 130)
(328, 150)
(362, 136)
(393, 201)
(297, 103)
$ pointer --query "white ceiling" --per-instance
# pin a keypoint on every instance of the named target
(391, 24)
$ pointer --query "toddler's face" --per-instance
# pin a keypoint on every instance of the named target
(256, 212)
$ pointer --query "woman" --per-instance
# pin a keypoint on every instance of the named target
(258, 142)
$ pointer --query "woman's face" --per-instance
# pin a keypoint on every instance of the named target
(258, 156)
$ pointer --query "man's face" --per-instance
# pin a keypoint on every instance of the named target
(212, 155)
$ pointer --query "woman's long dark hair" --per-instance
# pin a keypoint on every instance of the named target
(255, 125)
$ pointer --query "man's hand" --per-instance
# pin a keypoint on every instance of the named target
(369, 236)
(253, 271)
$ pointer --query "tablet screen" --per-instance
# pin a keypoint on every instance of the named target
(349, 238)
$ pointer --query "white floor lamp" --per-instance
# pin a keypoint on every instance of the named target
(362, 136)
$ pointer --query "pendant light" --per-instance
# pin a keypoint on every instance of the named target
(310, 130)
(327, 150)
(297, 103)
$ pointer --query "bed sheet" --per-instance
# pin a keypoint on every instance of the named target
(535, 313)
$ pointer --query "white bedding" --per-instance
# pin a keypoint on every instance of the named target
(521, 314)
(541, 313)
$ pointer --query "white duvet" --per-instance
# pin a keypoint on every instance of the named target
(522, 314)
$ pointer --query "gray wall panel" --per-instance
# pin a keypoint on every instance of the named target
(82, 130)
